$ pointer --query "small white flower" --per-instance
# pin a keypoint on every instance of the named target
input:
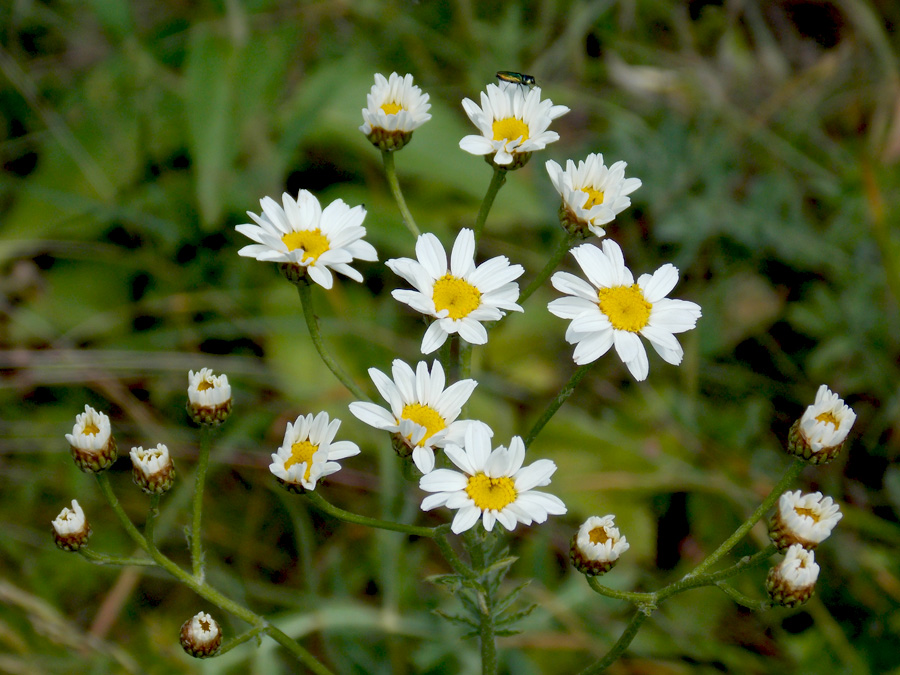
(493, 485)
(804, 519)
(91, 432)
(598, 539)
(513, 122)
(309, 452)
(421, 411)
(69, 521)
(592, 194)
(613, 310)
(798, 570)
(826, 423)
(395, 107)
(304, 236)
(209, 397)
(152, 469)
(201, 636)
(460, 296)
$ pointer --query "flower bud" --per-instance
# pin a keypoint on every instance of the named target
(201, 636)
(209, 397)
(803, 519)
(152, 469)
(597, 546)
(71, 529)
(819, 434)
(91, 441)
(792, 581)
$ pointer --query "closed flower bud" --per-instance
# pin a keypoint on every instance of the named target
(91, 441)
(71, 529)
(792, 581)
(152, 469)
(819, 434)
(209, 397)
(597, 546)
(201, 636)
(803, 519)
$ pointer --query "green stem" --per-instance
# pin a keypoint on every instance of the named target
(440, 538)
(313, 325)
(497, 181)
(299, 652)
(640, 615)
(743, 600)
(488, 639)
(635, 598)
(391, 172)
(112, 500)
(152, 515)
(104, 559)
(565, 245)
(228, 645)
(329, 508)
(789, 477)
(197, 502)
(561, 397)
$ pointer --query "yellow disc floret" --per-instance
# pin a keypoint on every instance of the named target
(391, 108)
(425, 416)
(312, 242)
(598, 535)
(827, 418)
(456, 295)
(595, 197)
(809, 513)
(509, 129)
(491, 493)
(301, 452)
(625, 306)
(90, 429)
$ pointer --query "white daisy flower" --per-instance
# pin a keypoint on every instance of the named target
(309, 452)
(209, 397)
(513, 122)
(592, 194)
(803, 519)
(820, 433)
(460, 296)
(91, 441)
(395, 107)
(493, 485)
(793, 580)
(422, 413)
(152, 470)
(613, 310)
(71, 529)
(597, 546)
(307, 240)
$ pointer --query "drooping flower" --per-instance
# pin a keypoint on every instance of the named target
(395, 107)
(792, 581)
(803, 519)
(597, 546)
(492, 485)
(592, 194)
(201, 636)
(306, 240)
(460, 296)
(71, 529)
(152, 469)
(613, 310)
(309, 452)
(91, 441)
(819, 434)
(209, 397)
(422, 413)
(513, 122)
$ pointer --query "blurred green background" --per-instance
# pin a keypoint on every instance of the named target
(767, 137)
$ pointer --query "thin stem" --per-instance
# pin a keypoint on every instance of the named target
(440, 538)
(635, 598)
(555, 404)
(313, 325)
(104, 559)
(391, 172)
(565, 245)
(112, 500)
(640, 616)
(294, 648)
(488, 639)
(743, 600)
(497, 181)
(329, 508)
(152, 515)
(228, 645)
(789, 477)
(197, 502)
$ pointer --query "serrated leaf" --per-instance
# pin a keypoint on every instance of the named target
(506, 602)
(499, 566)
(514, 618)
(458, 620)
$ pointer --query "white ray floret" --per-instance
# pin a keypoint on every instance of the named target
(309, 451)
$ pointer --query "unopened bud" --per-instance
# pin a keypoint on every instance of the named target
(209, 397)
(152, 469)
(597, 546)
(93, 446)
(819, 434)
(71, 529)
(792, 581)
(201, 636)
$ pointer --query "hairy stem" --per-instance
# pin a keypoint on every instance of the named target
(197, 502)
(497, 181)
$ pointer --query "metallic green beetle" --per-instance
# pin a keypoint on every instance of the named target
(516, 78)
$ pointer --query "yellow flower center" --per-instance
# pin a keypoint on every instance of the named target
(456, 295)
(827, 418)
(595, 197)
(625, 306)
(491, 493)
(313, 243)
(426, 416)
(807, 512)
(391, 108)
(204, 385)
(509, 129)
(598, 535)
(301, 452)
(90, 429)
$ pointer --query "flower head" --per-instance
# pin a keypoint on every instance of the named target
(152, 470)
(201, 636)
(492, 485)
(803, 519)
(513, 122)
(460, 296)
(819, 434)
(71, 529)
(395, 107)
(597, 546)
(307, 240)
(422, 413)
(209, 397)
(93, 446)
(792, 581)
(592, 194)
(309, 452)
(613, 310)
